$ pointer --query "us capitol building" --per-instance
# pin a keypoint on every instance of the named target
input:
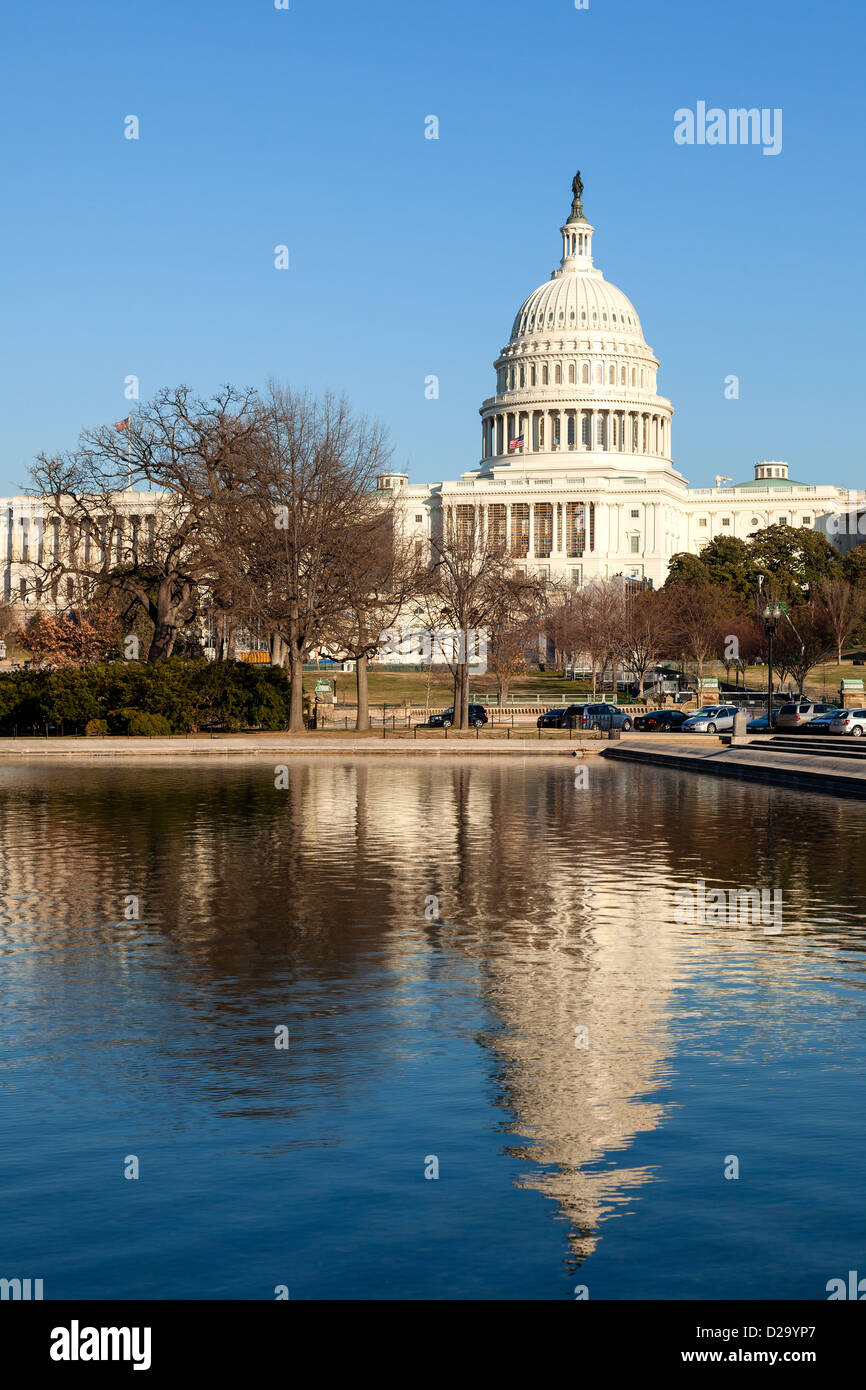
(576, 473)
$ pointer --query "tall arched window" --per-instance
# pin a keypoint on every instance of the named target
(558, 374)
(611, 375)
(584, 376)
(599, 374)
(544, 376)
(571, 374)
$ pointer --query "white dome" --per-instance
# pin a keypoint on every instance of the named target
(575, 303)
(577, 377)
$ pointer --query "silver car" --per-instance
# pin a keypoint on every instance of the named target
(710, 720)
(849, 721)
(797, 715)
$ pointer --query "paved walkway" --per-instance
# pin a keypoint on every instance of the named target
(278, 746)
(758, 762)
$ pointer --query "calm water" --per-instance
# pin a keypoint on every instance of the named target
(413, 1038)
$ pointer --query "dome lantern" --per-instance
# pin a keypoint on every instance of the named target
(576, 235)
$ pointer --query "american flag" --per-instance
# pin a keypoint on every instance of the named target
(516, 443)
(121, 425)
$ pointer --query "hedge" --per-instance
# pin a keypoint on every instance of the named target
(189, 695)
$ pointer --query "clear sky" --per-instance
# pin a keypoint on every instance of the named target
(409, 256)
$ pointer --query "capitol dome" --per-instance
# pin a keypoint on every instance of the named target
(576, 375)
(580, 300)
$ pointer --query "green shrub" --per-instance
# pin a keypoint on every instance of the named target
(186, 695)
(148, 725)
(96, 728)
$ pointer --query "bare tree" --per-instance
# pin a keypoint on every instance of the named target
(803, 640)
(378, 574)
(290, 525)
(193, 451)
(844, 608)
(702, 617)
(517, 616)
(750, 641)
(467, 584)
(641, 623)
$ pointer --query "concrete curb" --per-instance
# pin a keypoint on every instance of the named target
(726, 764)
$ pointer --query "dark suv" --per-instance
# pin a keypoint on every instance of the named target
(561, 717)
(606, 717)
(445, 720)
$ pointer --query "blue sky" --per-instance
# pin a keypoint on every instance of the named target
(409, 256)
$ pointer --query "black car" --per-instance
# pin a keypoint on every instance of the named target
(821, 724)
(561, 717)
(661, 720)
(445, 720)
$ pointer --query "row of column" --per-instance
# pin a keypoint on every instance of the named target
(536, 530)
(574, 431)
(26, 540)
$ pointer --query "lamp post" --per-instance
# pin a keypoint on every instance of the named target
(771, 625)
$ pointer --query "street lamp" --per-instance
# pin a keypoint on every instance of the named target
(771, 625)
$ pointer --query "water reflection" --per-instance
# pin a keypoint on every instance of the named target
(307, 904)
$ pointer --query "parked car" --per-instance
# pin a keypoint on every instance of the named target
(661, 720)
(477, 718)
(559, 717)
(759, 725)
(798, 714)
(606, 717)
(848, 721)
(710, 720)
(821, 724)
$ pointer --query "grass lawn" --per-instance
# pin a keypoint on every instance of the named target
(395, 687)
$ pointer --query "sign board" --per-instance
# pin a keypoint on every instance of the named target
(852, 685)
(323, 688)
